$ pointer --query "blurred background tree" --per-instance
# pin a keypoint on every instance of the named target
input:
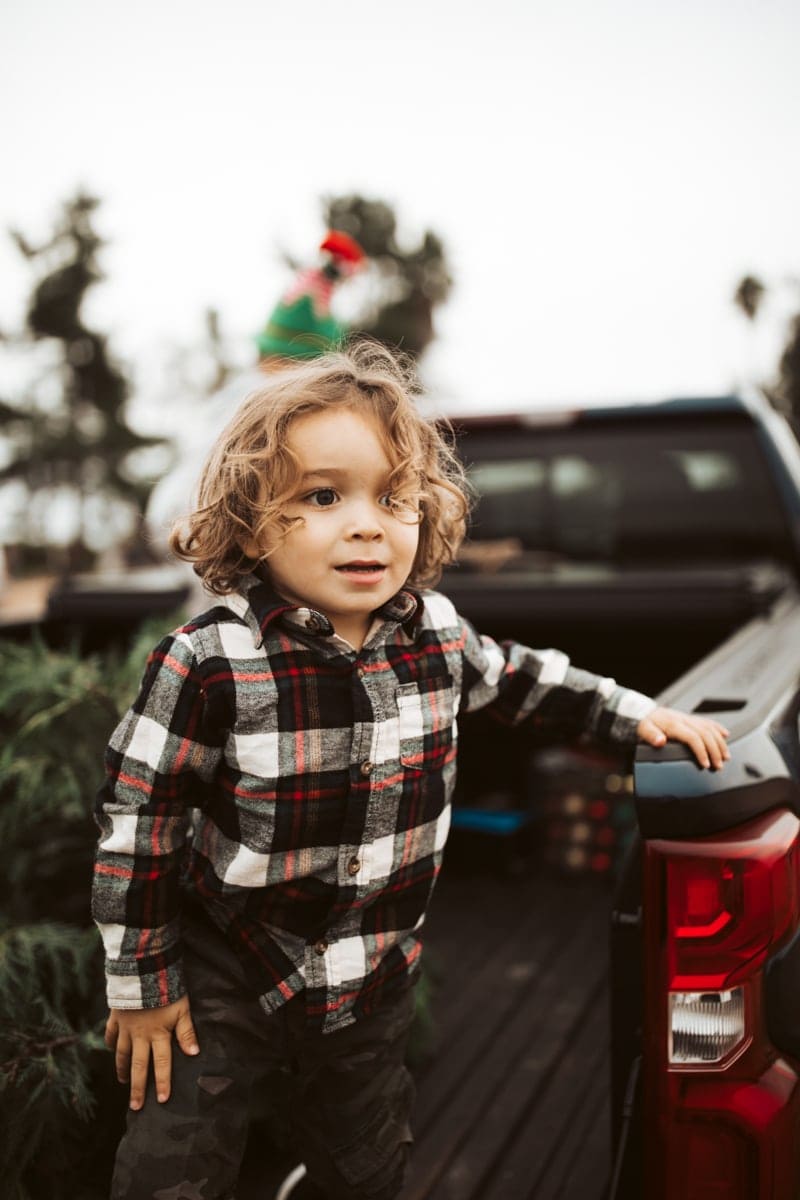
(784, 389)
(193, 371)
(407, 282)
(69, 447)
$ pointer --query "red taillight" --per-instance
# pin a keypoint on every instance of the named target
(703, 899)
(728, 901)
(720, 1103)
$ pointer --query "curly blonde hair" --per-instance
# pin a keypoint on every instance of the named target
(251, 471)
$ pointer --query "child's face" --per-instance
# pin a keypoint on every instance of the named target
(351, 553)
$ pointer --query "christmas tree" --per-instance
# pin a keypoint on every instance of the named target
(57, 1085)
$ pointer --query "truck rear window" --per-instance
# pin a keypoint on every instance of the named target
(649, 490)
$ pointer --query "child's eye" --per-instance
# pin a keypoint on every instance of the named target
(387, 500)
(322, 497)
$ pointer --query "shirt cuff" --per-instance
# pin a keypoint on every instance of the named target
(128, 987)
(629, 708)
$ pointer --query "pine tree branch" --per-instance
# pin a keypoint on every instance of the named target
(37, 1049)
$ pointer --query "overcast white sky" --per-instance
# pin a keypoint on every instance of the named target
(602, 171)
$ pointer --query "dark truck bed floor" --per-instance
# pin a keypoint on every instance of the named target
(512, 1099)
(513, 1103)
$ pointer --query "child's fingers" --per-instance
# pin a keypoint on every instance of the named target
(139, 1066)
(713, 737)
(162, 1066)
(141, 1034)
(705, 737)
(651, 733)
(122, 1057)
(111, 1031)
(720, 745)
(692, 737)
(184, 1032)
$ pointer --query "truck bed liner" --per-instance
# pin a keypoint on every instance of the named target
(519, 1080)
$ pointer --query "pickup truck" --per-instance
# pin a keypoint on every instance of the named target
(660, 543)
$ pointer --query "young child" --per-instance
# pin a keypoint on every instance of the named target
(303, 732)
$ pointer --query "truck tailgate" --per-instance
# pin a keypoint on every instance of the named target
(706, 939)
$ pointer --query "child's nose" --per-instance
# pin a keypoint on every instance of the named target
(368, 532)
(365, 522)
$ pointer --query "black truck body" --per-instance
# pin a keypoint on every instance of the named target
(660, 543)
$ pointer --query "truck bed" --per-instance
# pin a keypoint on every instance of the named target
(514, 1104)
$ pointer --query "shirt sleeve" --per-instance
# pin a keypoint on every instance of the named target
(154, 759)
(516, 683)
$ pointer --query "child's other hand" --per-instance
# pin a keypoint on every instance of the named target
(704, 737)
(136, 1034)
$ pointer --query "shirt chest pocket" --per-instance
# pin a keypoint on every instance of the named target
(426, 716)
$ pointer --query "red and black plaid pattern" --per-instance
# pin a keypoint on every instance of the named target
(301, 791)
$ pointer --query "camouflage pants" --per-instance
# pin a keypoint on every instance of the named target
(349, 1094)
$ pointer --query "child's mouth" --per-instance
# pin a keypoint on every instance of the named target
(363, 569)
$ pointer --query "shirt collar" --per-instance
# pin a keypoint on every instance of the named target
(257, 603)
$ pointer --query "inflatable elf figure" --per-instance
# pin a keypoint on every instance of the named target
(301, 326)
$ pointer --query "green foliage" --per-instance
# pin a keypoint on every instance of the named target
(411, 281)
(57, 711)
(50, 1041)
(56, 714)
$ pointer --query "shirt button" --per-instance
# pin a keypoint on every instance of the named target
(366, 768)
(354, 866)
(321, 946)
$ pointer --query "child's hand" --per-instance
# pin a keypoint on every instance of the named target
(137, 1033)
(704, 737)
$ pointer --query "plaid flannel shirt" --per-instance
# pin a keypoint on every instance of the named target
(301, 791)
